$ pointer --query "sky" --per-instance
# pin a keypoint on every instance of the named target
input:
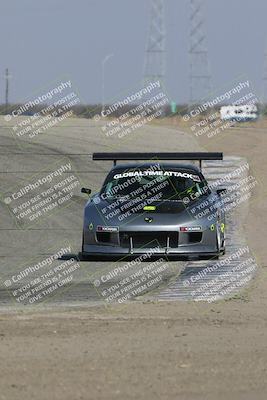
(42, 41)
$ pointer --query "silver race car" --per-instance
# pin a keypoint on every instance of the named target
(164, 207)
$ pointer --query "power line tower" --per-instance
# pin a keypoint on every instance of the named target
(154, 68)
(7, 77)
(200, 77)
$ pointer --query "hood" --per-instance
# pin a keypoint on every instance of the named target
(120, 211)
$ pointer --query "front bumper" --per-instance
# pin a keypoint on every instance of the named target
(166, 243)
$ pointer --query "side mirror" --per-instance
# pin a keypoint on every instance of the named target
(221, 191)
(85, 190)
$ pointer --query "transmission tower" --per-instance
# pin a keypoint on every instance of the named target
(200, 78)
(154, 68)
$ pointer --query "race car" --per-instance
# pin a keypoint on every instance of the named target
(152, 205)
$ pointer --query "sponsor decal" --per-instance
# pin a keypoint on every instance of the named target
(190, 228)
(178, 174)
(107, 228)
(91, 226)
(148, 220)
(149, 208)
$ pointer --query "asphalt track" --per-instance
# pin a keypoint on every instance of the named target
(75, 140)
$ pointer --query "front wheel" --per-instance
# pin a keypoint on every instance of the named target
(220, 238)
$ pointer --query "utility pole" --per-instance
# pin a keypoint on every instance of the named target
(103, 81)
(264, 94)
(7, 77)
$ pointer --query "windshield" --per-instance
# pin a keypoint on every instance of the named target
(161, 184)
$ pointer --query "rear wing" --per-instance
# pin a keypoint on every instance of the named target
(157, 156)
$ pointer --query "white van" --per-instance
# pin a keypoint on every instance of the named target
(239, 113)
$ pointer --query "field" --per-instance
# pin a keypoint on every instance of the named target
(75, 345)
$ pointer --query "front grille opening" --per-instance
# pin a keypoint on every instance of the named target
(173, 239)
(149, 239)
(124, 240)
(107, 237)
(103, 237)
(194, 237)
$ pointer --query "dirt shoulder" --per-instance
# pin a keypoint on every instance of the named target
(138, 351)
